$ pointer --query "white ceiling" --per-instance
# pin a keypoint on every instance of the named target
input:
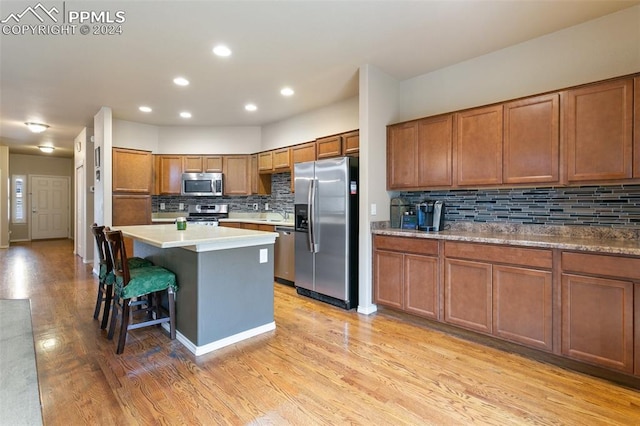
(316, 47)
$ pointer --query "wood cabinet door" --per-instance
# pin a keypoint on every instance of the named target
(636, 327)
(532, 140)
(170, 174)
(282, 159)
(598, 131)
(131, 210)
(522, 302)
(303, 153)
(192, 164)
(636, 127)
(236, 174)
(265, 161)
(468, 294)
(132, 171)
(478, 156)
(388, 276)
(351, 143)
(434, 151)
(421, 285)
(329, 147)
(402, 154)
(212, 164)
(597, 321)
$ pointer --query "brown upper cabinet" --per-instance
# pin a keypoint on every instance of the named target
(192, 164)
(598, 131)
(636, 132)
(260, 183)
(419, 153)
(351, 143)
(587, 134)
(532, 140)
(278, 160)
(303, 152)
(265, 161)
(328, 147)
(132, 171)
(282, 159)
(479, 146)
(201, 163)
(237, 173)
(168, 174)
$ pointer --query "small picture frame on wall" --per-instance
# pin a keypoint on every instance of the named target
(97, 159)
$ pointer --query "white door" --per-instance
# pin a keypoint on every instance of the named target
(80, 217)
(49, 207)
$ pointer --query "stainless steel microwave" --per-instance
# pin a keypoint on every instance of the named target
(202, 184)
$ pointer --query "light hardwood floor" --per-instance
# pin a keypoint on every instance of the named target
(321, 365)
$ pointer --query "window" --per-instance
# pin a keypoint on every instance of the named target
(19, 199)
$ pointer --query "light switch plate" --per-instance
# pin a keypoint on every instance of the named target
(264, 255)
(162, 206)
(181, 206)
(374, 209)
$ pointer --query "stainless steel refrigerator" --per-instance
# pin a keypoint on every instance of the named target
(326, 225)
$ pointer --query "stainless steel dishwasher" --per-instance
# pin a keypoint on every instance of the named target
(284, 268)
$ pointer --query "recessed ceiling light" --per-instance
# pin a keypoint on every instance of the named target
(250, 107)
(181, 81)
(185, 114)
(36, 127)
(145, 109)
(222, 50)
(287, 91)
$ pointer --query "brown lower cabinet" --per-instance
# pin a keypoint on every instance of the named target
(598, 309)
(499, 290)
(406, 274)
(580, 305)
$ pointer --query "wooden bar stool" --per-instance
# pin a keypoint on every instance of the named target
(150, 282)
(105, 274)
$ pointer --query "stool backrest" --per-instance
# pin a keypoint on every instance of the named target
(118, 254)
(103, 247)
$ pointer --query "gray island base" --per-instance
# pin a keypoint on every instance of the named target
(225, 277)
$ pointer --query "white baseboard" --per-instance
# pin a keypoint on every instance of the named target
(218, 344)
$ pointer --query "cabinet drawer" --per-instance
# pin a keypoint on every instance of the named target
(406, 245)
(597, 264)
(538, 258)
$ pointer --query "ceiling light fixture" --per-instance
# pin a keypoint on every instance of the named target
(287, 91)
(222, 50)
(37, 127)
(250, 107)
(46, 149)
(145, 109)
(181, 81)
(185, 114)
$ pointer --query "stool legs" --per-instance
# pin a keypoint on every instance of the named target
(105, 294)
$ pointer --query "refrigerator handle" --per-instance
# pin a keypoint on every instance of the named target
(310, 218)
(313, 245)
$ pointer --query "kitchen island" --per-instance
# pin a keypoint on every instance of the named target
(225, 277)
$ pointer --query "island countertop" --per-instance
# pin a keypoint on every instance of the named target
(197, 237)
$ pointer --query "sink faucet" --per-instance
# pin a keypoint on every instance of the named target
(284, 214)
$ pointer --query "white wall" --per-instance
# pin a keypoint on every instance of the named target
(596, 50)
(83, 160)
(335, 118)
(208, 140)
(127, 134)
(378, 107)
(4, 197)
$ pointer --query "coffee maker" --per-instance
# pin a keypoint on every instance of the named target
(430, 215)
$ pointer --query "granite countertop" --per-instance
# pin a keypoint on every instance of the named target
(589, 239)
(197, 238)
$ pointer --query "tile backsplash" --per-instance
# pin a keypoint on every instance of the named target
(281, 198)
(616, 206)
